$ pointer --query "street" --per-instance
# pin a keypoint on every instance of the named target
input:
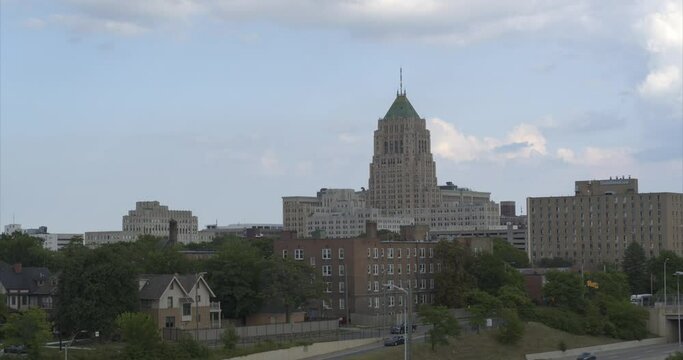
(650, 352)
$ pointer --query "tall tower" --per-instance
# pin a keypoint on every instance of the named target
(402, 172)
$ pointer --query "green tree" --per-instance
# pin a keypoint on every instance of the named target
(565, 289)
(140, 334)
(635, 267)
(514, 296)
(627, 321)
(454, 281)
(612, 284)
(95, 287)
(490, 273)
(504, 251)
(656, 268)
(235, 276)
(29, 328)
(443, 324)
(511, 329)
(27, 250)
(481, 306)
(292, 284)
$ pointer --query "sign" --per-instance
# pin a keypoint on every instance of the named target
(592, 284)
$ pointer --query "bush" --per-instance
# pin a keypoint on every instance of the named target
(192, 348)
(229, 337)
(512, 329)
(562, 320)
(562, 346)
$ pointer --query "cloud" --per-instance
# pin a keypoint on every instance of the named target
(85, 24)
(524, 141)
(348, 138)
(597, 157)
(34, 23)
(270, 164)
(661, 33)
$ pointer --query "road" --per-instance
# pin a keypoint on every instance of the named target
(650, 352)
(363, 349)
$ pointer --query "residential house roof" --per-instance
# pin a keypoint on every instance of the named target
(37, 280)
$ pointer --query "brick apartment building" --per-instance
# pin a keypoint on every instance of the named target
(355, 271)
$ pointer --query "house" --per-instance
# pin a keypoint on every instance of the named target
(179, 301)
(27, 287)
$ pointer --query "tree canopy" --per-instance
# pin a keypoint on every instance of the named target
(635, 267)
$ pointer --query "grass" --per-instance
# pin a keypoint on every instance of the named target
(537, 338)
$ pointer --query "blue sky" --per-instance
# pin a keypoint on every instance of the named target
(225, 106)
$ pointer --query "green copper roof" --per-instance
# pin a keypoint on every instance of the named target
(401, 108)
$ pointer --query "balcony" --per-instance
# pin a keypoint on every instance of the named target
(215, 307)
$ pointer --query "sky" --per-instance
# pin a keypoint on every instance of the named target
(224, 106)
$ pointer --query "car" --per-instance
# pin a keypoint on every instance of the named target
(15, 349)
(586, 356)
(400, 329)
(394, 340)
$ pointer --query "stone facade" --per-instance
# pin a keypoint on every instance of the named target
(597, 224)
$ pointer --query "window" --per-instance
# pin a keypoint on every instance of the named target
(341, 270)
(408, 253)
(422, 268)
(369, 285)
(375, 253)
(399, 268)
(284, 254)
(422, 252)
(431, 268)
(327, 270)
(341, 253)
(431, 283)
(342, 286)
(369, 302)
(423, 284)
(199, 299)
(169, 302)
(298, 254)
(187, 309)
(376, 303)
(369, 252)
(24, 300)
(172, 284)
(391, 301)
(390, 253)
(14, 300)
(407, 268)
(431, 252)
(342, 304)
(390, 269)
(381, 252)
(376, 286)
(327, 254)
(375, 269)
(170, 322)
(398, 253)
(328, 287)
(312, 260)
(369, 269)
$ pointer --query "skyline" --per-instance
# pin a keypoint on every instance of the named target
(224, 107)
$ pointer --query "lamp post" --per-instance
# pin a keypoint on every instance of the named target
(678, 274)
(665, 260)
(196, 302)
(407, 325)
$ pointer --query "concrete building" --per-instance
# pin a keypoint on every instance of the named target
(52, 242)
(402, 189)
(514, 235)
(244, 230)
(507, 208)
(355, 269)
(150, 218)
(603, 217)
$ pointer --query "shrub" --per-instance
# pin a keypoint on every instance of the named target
(562, 346)
(229, 337)
(512, 328)
(561, 319)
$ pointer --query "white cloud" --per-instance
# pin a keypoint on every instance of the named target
(270, 164)
(524, 141)
(661, 31)
(79, 23)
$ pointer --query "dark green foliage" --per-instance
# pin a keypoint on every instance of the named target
(235, 276)
(510, 254)
(490, 273)
(556, 262)
(512, 328)
(291, 284)
(94, 288)
(561, 319)
(454, 281)
(229, 337)
(627, 320)
(443, 324)
(611, 284)
(140, 334)
(384, 234)
(562, 346)
(565, 289)
(514, 297)
(27, 250)
(656, 268)
(635, 267)
(191, 349)
(29, 328)
(481, 305)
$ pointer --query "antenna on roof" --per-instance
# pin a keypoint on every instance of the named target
(401, 81)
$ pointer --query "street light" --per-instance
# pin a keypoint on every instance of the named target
(677, 274)
(407, 326)
(665, 260)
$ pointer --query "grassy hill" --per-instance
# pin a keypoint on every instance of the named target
(537, 338)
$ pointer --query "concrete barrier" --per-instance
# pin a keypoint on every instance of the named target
(302, 352)
(606, 347)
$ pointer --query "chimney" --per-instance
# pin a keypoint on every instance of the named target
(371, 229)
(172, 232)
(17, 268)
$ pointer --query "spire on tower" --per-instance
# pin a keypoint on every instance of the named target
(401, 81)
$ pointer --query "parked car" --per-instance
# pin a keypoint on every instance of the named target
(586, 356)
(401, 329)
(394, 340)
(15, 349)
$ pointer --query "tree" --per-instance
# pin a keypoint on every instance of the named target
(512, 328)
(454, 281)
(556, 262)
(229, 337)
(504, 251)
(292, 284)
(612, 284)
(635, 267)
(627, 321)
(564, 289)
(28, 328)
(514, 296)
(490, 273)
(95, 287)
(235, 275)
(443, 324)
(141, 335)
(481, 305)
(27, 250)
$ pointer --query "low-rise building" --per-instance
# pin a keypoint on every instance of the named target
(179, 301)
(27, 287)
